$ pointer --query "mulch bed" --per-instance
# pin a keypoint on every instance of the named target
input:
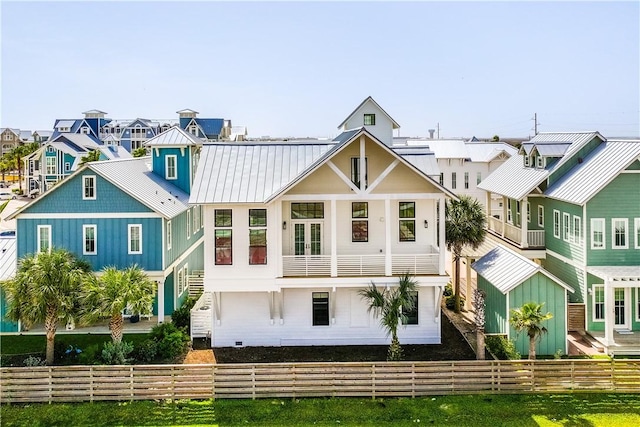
(453, 347)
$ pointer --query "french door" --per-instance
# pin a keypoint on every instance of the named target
(307, 238)
(621, 311)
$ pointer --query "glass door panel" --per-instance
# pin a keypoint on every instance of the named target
(299, 239)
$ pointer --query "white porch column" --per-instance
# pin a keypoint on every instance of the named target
(489, 207)
(524, 226)
(609, 312)
(334, 239)
(504, 214)
(161, 300)
(279, 220)
(442, 242)
(467, 301)
(387, 238)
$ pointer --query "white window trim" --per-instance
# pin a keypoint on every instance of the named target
(637, 303)
(180, 281)
(188, 224)
(593, 303)
(557, 225)
(636, 235)
(84, 187)
(613, 233)
(38, 235)
(539, 162)
(84, 239)
(67, 166)
(566, 227)
(185, 275)
(528, 212)
(540, 216)
(577, 229)
(175, 167)
(509, 214)
(169, 235)
(604, 234)
(527, 161)
(51, 169)
(129, 251)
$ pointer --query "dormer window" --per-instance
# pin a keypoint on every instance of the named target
(540, 162)
(171, 171)
(63, 129)
(193, 130)
(85, 130)
(527, 161)
(369, 119)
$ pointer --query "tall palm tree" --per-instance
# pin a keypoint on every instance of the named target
(46, 288)
(464, 226)
(113, 291)
(16, 155)
(390, 305)
(529, 318)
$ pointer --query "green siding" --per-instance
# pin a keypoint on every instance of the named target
(541, 289)
(534, 202)
(619, 199)
(569, 274)
(570, 249)
(573, 161)
(495, 308)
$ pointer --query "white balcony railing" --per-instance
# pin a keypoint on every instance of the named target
(306, 265)
(535, 238)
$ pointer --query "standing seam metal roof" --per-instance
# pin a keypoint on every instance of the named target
(8, 258)
(173, 136)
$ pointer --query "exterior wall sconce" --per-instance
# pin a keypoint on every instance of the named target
(426, 224)
(284, 225)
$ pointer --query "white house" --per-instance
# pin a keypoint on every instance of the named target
(294, 230)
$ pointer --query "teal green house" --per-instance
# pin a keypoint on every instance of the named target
(572, 205)
(123, 212)
(509, 281)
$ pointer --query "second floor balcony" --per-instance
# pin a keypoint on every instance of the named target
(521, 237)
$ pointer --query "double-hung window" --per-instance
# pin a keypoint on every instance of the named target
(407, 221)
(257, 236)
(597, 301)
(171, 169)
(44, 238)
(453, 181)
(359, 222)
(135, 239)
(597, 233)
(540, 216)
(577, 229)
(509, 213)
(189, 224)
(478, 177)
(223, 237)
(556, 224)
(636, 222)
(51, 165)
(528, 212)
(619, 233)
(89, 238)
(566, 226)
(466, 180)
(89, 187)
(320, 315)
(369, 119)
(169, 235)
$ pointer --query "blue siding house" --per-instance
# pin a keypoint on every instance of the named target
(206, 129)
(126, 211)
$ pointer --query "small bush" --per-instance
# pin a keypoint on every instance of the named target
(172, 342)
(34, 361)
(448, 290)
(115, 353)
(146, 351)
(502, 348)
(182, 316)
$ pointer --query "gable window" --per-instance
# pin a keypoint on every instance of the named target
(89, 236)
(478, 177)
(540, 216)
(369, 119)
(454, 184)
(540, 162)
(307, 210)
(411, 316)
(407, 222)
(223, 237)
(51, 166)
(577, 229)
(257, 236)
(170, 171)
(193, 130)
(44, 238)
(320, 308)
(67, 166)
(527, 161)
(556, 223)
(88, 187)
(619, 227)
(566, 226)
(84, 130)
(359, 225)
(188, 223)
(169, 235)
(636, 223)
(597, 233)
(355, 171)
(466, 180)
(135, 239)
(597, 301)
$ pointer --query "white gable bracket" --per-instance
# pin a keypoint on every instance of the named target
(342, 176)
(382, 176)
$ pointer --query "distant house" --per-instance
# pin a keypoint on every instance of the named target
(90, 125)
(126, 211)
(41, 136)
(9, 139)
(205, 129)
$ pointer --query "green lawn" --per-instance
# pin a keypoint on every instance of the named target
(24, 344)
(473, 410)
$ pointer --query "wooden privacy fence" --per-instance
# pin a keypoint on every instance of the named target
(290, 380)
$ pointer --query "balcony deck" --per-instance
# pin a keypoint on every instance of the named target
(535, 238)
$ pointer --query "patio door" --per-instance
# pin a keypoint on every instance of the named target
(621, 308)
(307, 238)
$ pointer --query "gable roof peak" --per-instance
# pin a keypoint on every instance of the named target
(370, 99)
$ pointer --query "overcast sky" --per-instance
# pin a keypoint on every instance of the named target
(298, 69)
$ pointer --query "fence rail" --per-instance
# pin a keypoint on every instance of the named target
(251, 381)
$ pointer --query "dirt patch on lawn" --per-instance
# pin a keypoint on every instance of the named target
(199, 357)
(453, 347)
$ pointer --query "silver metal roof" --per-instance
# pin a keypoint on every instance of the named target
(422, 158)
(239, 172)
(8, 258)
(65, 123)
(112, 152)
(506, 269)
(513, 180)
(173, 136)
(617, 273)
(461, 149)
(576, 139)
(134, 177)
(597, 170)
(552, 149)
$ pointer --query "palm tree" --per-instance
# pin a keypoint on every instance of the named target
(391, 305)
(46, 288)
(465, 226)
(114, 291)
(92, 156)
(16, 155)
(139, 152)
(529, 318)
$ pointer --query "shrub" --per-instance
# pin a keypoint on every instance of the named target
(146, 351)
(172, 342)
(115, 353)
(182, 316)
(448, 290)
(34, 361)
(91, 355)
(501, 347)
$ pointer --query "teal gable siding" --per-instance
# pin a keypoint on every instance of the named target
(179, 241)
(541, 289)
(619, 199)
(580, 154)
(111, 239)
(67, 197)
(495, 308)
(183, 165)
(571, 249)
